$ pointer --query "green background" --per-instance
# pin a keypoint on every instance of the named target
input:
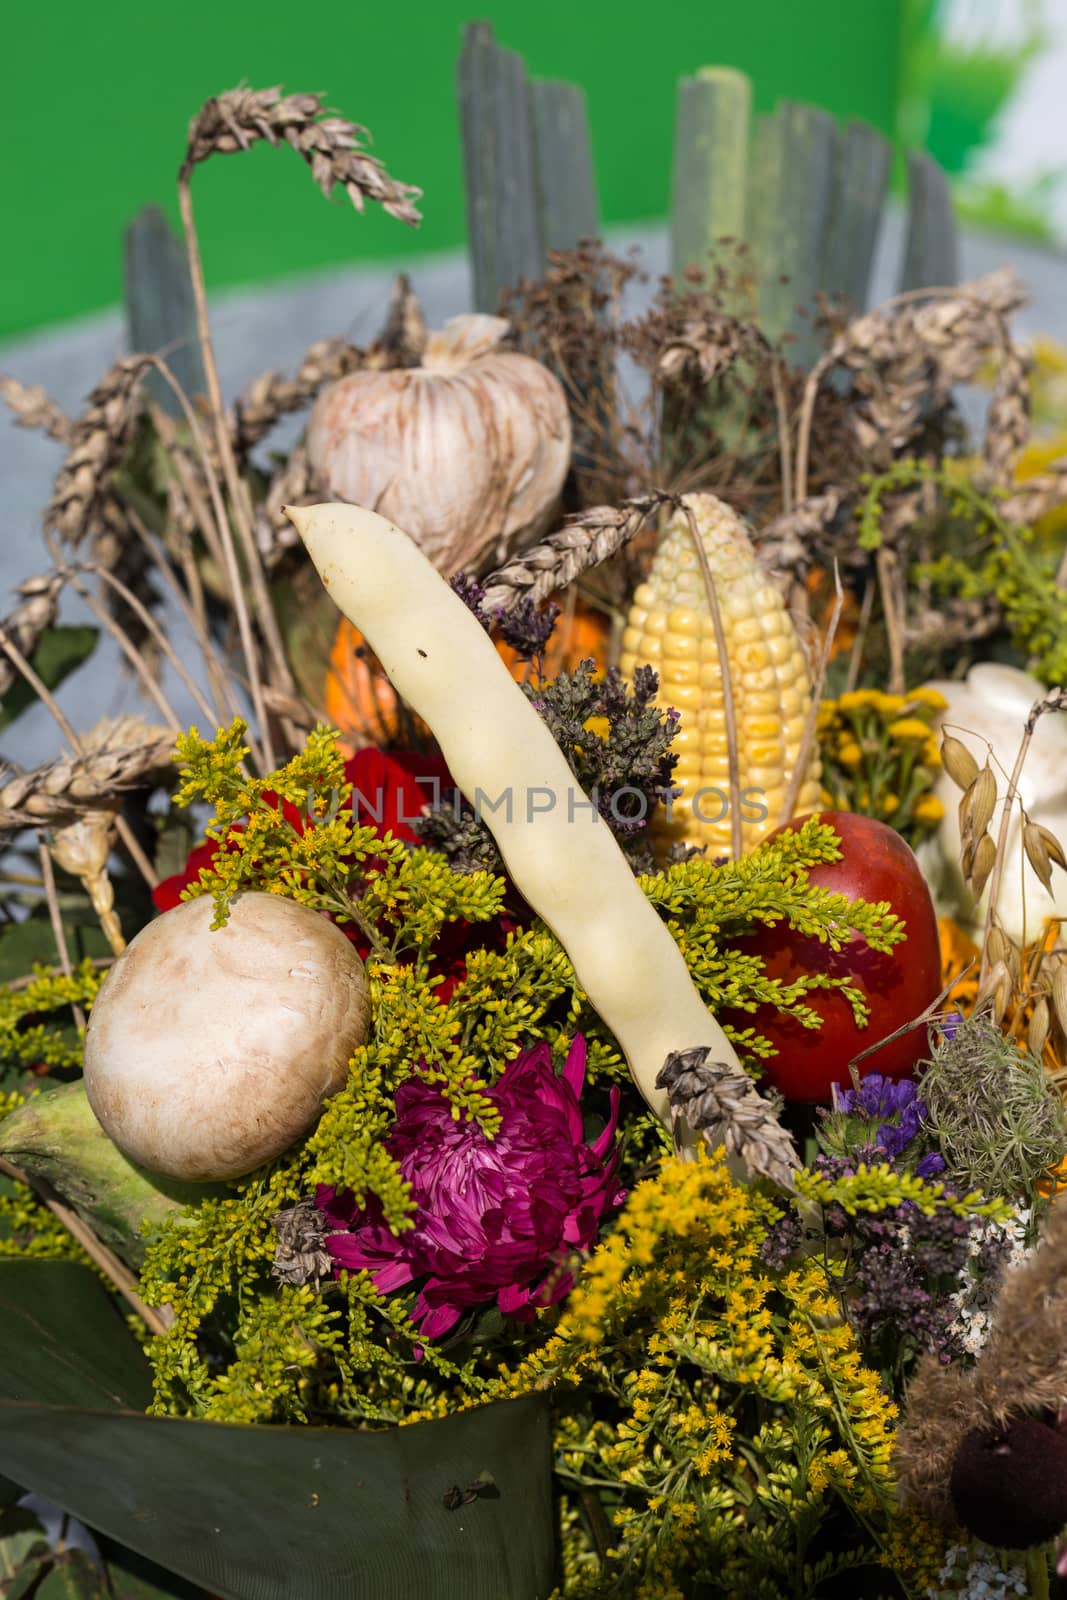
(96, 99)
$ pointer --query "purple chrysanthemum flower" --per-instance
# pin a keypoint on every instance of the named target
(494, 1216)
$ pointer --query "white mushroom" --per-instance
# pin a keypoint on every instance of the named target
(209, 1052)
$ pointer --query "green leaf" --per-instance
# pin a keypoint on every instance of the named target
(59, 652)
(22, 1584)
(264, 1513)
(73, 1577)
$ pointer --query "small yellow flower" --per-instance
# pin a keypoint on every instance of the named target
(928, 697)
(849, 753)
(928, 809)
(890, 705)
(858, 700)
(909, 730)
(890, 803)
(931, 756)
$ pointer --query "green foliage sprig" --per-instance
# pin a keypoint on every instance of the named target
(1000, 558)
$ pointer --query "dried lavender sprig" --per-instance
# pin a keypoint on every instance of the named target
(717, 1100)
(331, 146)
(584, 541)
(34, 408)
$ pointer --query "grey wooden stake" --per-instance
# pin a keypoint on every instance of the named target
(860, 182)
(714, 111)
(797, 161)
(499, 167)
(160, 315)
(932, 251)
(566, 182)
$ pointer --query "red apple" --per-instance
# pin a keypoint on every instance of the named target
(876, 864)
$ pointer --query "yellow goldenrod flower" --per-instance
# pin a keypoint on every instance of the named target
(928, 809)
(909, 730)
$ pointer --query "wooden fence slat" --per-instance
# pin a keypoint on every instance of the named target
(799, 161)
(932, 251)
(160, 314)
(709, 202)
(860, 184)
(566, 179)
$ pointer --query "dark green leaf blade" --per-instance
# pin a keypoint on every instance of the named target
(270, 1513)
(59, 651)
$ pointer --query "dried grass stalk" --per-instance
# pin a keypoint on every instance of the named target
(1008, 418)
(718, 1101)
(34, 409)
(331, 146)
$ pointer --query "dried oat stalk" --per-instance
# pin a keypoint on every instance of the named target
(584, 541)
(717, 1100)
(120, 755)
(100, 439)
(331, 146)
(34, 409)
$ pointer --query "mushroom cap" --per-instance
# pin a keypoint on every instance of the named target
(209, 1052)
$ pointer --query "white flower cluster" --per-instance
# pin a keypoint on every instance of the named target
(982, 1579)
(975, 1297)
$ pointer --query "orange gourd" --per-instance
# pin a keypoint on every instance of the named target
(359, 699)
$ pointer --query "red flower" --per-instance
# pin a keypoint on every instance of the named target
(389, 791)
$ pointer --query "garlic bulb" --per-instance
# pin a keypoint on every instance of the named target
(990, 709)
(209, 1052)
(467, 451)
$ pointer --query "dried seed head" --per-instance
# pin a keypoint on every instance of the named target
(958, 762)
(1052, 845)
(983, 798)
(985, 856)
(995, 988)
(1059, 995)
(1040, 1026)
(1000, 948)
(1036, 854)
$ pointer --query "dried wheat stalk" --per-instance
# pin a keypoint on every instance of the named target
(100, 438)
(36, 612)
(331, 146)
(271, 396)
(905, 357)
(716, 1099)
(584, 541)
(1008, 419)
(1033, 498)
(123, 755)
(294, 485)
(34, 409)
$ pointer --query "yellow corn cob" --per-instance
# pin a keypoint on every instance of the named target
(670, 628)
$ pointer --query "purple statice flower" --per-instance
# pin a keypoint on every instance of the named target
(881, 1099)
(495, 1218)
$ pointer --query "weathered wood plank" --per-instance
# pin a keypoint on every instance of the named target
(713, 116)
(566, 179)
(498, 152)
(798, 165)
(160, 314)
(932, 251)
(860, 184)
